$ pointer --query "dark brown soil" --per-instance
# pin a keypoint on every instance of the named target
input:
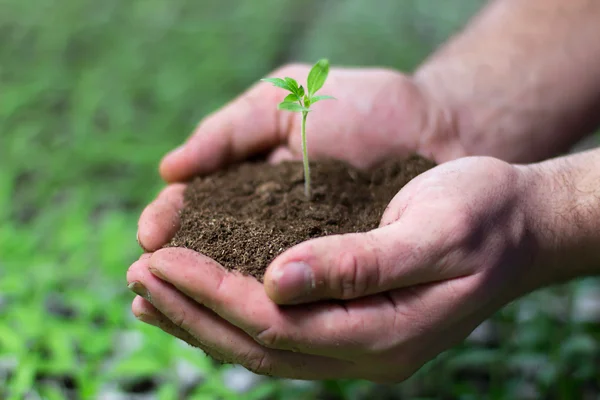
(245, 216)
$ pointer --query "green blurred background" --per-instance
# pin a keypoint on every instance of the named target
(93, 93)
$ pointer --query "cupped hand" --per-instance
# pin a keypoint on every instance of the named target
(380, 114)
(453, 247)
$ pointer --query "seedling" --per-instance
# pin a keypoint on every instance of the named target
(300, 101)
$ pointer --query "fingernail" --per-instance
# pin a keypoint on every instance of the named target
(147, 318)
(140, 290)
(294, 280)
(156, 272)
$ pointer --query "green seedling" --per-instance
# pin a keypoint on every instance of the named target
(300, 101)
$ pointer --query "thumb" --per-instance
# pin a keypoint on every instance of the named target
(247, 126)
(353, 265)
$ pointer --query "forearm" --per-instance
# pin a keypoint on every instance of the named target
(564, 215)
(522, 80)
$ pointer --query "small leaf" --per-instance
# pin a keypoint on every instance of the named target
(317, 76)
(306, 100)
(289, 106)
(301, 91)
(314, 99)
(291, 98)
(292, 84)
(279, 83)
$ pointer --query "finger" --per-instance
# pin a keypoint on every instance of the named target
(242, 302)
(160, 219)
(249, 125)
(281, 154)
(357, 265)
(342, 330)
(147, 313)
(233, 345)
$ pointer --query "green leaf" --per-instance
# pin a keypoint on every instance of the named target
(23, 379)
(317, 76)
(292, 84)
(290, 98)
(314, 99)
(279, 83)
(301, 91)
(289, 106)
(11, 341)
(137, 365)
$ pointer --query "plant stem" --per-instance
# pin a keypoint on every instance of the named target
(305, 157)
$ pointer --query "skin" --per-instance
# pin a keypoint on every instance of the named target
(455, 245)
(521, 80)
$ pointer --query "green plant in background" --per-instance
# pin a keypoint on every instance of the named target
(300, 100)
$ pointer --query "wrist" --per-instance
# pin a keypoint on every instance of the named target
(515, 97)
(483, 124)
(563, 212)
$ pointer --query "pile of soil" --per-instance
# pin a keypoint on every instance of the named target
(245, 216)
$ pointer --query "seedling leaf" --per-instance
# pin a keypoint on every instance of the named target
(314, 99)
(289, 106)
(291, 98)
(300, 100)
(317, 76)
(301, 91)
(292, 83)
(279, 83)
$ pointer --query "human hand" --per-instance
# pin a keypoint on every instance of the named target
(453, 247)
(380, 110)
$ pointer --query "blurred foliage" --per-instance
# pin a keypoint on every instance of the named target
(93, 93)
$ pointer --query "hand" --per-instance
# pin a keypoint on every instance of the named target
(380, 110)
(452, 248)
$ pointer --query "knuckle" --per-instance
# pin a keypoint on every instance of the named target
(258, 362)
(180, 319)
(460, 225)
(270, 337)
(347, 276)
(357, 272)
